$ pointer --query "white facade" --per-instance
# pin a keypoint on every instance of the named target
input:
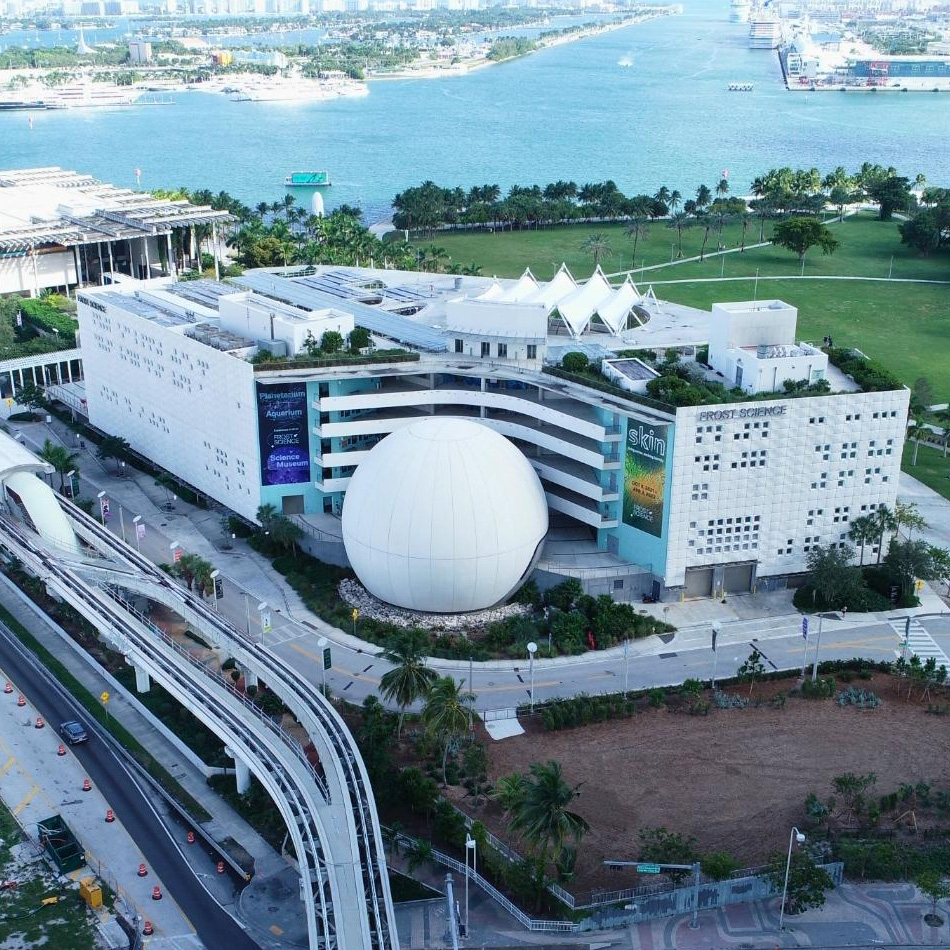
(444, 515)
(184, 404)
(766, 481)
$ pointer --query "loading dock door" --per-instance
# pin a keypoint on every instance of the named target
(699, 582)
(738, 578)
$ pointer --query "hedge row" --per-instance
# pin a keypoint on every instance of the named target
(45, 316)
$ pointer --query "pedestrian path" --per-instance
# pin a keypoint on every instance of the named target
(919, 642)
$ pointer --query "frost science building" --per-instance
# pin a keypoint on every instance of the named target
(642, 499)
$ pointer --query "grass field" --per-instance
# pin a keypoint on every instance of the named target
(932, 468)
(906, 326)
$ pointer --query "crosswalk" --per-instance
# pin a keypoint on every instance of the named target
(919, 642)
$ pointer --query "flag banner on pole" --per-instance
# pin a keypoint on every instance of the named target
(140, 530)
(804, 628)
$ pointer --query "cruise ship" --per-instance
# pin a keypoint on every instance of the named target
(765, 33)
(740, 11)
(79, 96)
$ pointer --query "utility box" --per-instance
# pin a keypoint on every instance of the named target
(90, 890)
(60, 844)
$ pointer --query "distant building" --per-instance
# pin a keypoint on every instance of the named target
(61, 229)
(140, 51)
(260, 57)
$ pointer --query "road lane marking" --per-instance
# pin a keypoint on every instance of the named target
(30, 795)
(7, 765)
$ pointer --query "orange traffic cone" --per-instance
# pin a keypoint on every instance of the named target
(21, 701)
(110, 816)
(39, 722)
(220, 867)
(148, 929)
(191, 837)
(86, 785)
(156, 893)
(8, 688)
(61, 750)
(143, 870)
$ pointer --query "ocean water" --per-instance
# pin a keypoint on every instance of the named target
(570, 112)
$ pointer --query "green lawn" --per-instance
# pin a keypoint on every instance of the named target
(24, 921)
(905, 326)
(932, 468)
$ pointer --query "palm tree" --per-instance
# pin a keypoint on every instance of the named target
(883, 520)
(943, 417)
(543, 818)
(446, 714)
(675, 201)
(61, 459)
(722, 189)
(703, 196)
(663, 194)
(916, 432)
(409, 679)
(862, 531)
(677, 222)
(598, 247)
(636, 229)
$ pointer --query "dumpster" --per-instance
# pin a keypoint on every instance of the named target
(60, 844)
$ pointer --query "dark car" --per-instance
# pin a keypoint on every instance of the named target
(73, 732)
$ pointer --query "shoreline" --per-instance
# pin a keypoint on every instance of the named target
(463, 68)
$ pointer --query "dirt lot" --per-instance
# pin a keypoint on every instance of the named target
(736, 779)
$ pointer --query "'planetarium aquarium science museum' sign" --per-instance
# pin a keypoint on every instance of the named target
(282, 430)
(644, 477)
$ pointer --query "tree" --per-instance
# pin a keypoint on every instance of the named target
(932, 884)
(659, 846)
(800, 234)
(852, 788)
(446, 713)
(719, 865)
(831, 576)
(598, 247)
(722, 188)
(543, 818)
(638, 230)
(923, 232)
(331, 342)
(374, 738)
(751, 670)
(907, 561)
(418, 853)
(908, 516)
(31, 396)
(113, 447)
(807, 882)
(884, 521)
(943, 417)
(410, 679)
(921, 395)
(703, 196)
(677, 223)
(360, 338)
(862, 531)
(575, 362)
(892, 193)
(61, 459)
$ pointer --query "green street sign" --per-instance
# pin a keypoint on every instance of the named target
(326, 658)
(648, 869)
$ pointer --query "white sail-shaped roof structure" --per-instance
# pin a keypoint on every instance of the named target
(551, 293)
(493, 292)
(522, 290)
(615, 310)
(577, 308)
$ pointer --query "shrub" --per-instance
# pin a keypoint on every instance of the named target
(822, 688)
(575, 362)
(729, 700)
(718, 865)
(862, 698)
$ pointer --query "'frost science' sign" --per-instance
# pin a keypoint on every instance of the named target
(282, 431)
(644, 477)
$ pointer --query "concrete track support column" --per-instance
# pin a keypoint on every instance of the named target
(242, 777)
(143, 682)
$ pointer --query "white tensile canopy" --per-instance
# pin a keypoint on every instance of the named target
(522, 290)
(550, 293)
(615, 310)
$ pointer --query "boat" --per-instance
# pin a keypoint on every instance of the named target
(79, 96)
(307, 180)
(626, 61)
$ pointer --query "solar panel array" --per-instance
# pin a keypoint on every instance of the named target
(146, 309)
(390, 325)
(205, 292)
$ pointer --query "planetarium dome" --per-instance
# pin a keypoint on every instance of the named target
(444, 515)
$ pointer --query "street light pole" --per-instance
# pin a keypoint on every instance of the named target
(795, 835)
(322, 643)
(138, 544)
(532, 649)
(626, 665)
(215, 574)
(814, 664)
(716, 630)
(470, 845)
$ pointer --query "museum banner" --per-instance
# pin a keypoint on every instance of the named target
(282, 431)
(644, 476)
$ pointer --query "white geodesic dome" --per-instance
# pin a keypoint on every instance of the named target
(444, 515)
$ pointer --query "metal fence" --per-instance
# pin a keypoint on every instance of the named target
(676, 901)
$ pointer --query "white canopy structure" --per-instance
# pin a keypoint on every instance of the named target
(550, 293)
(526, 287)
(617, 308)
(494, 292)
(577, 308)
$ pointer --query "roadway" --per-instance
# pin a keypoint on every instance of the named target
(121, 788)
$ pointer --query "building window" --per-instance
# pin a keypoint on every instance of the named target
(459, 345)
(485, 349)
(532, 351)
(503, 351)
